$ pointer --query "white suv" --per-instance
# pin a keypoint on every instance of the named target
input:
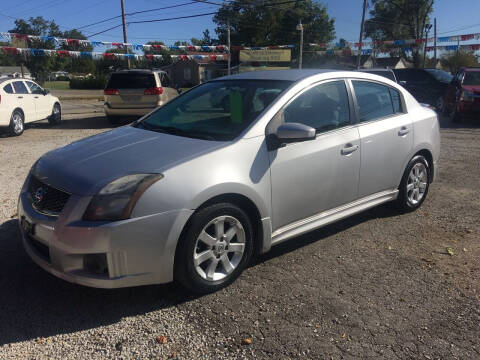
(23, 101)
(136, 93)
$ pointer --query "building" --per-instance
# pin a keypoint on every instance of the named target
(386, 62)
(15, 71)
(191, 72)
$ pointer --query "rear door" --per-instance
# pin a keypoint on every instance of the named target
(386, 136)
(130, 90)
(24, 101)
(43, 107)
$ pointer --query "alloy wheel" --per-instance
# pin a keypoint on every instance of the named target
(17, 123)
(219, 248)
(417, 183)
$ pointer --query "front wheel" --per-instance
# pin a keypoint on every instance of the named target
(215, 249)
(56, 117)
(415, 183)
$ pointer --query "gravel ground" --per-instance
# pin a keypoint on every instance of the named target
(377, 285)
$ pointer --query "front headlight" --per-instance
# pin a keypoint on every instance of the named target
(117, 199)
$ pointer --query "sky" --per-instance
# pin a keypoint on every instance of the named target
(454, 17)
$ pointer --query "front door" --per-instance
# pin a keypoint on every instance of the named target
(43, 107)
(24, 101)
(386, 136)
(313, 176)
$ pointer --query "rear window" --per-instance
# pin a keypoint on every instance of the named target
(386, 74)
(471, 78)
(131, 81)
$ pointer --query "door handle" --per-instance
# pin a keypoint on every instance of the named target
(36, 97)
(403, 131)
(20, 97)
(349, 148)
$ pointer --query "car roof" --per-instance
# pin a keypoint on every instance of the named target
(289, 75)
(137, 71)
(471, 69)
(7, 78)
(375, 69)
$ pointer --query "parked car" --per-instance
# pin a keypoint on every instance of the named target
(426, 85)
(463, 95)
(387, 73)
(191, 192)
(23, 101)
(136, 93)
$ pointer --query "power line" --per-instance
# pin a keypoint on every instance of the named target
(168, 19)
(103, 31)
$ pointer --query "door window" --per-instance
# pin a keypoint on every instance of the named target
(20, 87)
(323, 107)
(165, 80)
(8, 89)
(375, 101)
(34, 88)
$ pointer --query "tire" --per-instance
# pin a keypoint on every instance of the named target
(415, 183)
(454, 116)
(17, 123)
(221, 257)
(56, 117)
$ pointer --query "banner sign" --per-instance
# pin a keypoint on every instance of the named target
(266, 55)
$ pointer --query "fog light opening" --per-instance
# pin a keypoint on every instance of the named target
(95, 264)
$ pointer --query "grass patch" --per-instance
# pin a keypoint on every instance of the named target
(57, 85)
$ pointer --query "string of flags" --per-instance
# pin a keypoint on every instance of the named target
(399, 43)
(109, 56)
(60, 41)
(346, 51)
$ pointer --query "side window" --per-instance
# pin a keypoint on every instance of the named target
(8, 89)
(460, 77)
(396, 101)
(34, 88)
(165, 80)
(20, 87)
(373, 100)
(323, 107)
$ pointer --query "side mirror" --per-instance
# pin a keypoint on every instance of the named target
(290, 133)
(177, 87)
(402, 82)
(46, 91)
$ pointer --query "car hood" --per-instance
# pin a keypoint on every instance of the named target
(471, 88)
(85, 166)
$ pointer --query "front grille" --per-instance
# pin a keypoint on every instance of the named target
(46, 199)
(40, 249)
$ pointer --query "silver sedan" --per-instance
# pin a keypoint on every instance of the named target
(193, 190)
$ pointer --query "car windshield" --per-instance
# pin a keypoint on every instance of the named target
(217, 110)
(471, 78)
(440, 75)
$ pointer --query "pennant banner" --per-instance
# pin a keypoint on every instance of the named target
(110, 56)
(59, 41)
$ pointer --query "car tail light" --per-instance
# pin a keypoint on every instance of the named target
(110, 92)
(154, 91)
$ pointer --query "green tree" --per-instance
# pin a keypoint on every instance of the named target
(268, 24)
(454, 61)
(399, 19)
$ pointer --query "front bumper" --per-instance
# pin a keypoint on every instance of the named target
(138, 251)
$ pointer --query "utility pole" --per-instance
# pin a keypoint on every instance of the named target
(435, 41)
(124, 23)
(300, 58)
(228, 44)
(427, 29)
(361, 34)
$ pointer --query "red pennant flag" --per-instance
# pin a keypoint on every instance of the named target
(467, 37)
(10, 50)
(63, 53)
(117, 45)
(184, 57)
(149, 56)
(220, 48)
(73, 42)
(109, 56)
(213, 57)
(190, 48)
(20, 36)
(419, 41)
(157, 46)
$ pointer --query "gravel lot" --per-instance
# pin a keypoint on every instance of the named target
(377, 285)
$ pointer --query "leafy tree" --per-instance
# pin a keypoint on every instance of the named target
(268, 24)
(399, 19)
(454, 61)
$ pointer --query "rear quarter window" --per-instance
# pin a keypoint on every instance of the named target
(8, 89)
(131, 81)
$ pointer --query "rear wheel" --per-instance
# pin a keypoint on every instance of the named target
(415, 183)
(439, 104)
(454, 115)
(56, 117)
(17, 123)
(215, 249)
